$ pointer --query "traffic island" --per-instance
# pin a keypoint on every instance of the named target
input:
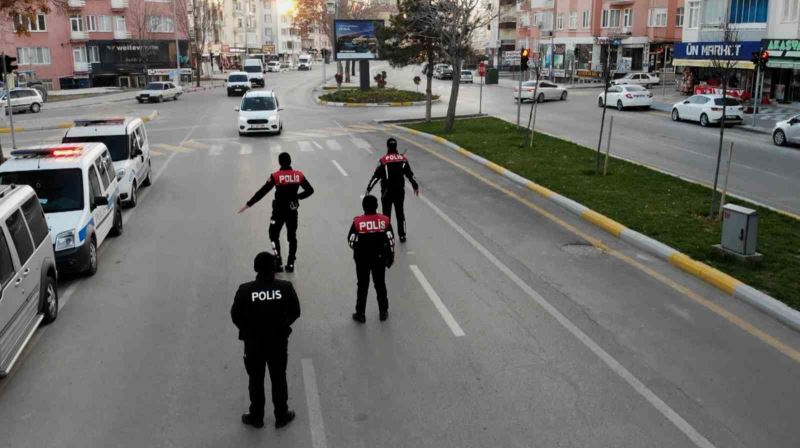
(656, 212)
(374, 97)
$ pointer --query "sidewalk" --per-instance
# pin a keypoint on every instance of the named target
(125, 95)
(511, 83)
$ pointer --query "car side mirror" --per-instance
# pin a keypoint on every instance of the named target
(280, 109)
(137, 152)
(686, 102)
(793, 121)
(236, 109)
(100, 200)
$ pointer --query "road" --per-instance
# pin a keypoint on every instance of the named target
(508, 327)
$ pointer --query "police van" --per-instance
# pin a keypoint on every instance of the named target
(127, 142)
(79, 192)
(28, 277)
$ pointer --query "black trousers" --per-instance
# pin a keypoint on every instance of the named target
(279, 218)
(395, 198)
(258, 356)
(377, 268)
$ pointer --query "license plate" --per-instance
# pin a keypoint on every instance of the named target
(259, 126)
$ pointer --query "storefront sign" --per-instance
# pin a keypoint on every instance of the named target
(587, 74)
(168, 72)
(738, 51)
(712, 90)
(782, 48)
(268, 48)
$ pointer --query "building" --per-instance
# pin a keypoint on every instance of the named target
(101, 43)
(782, 77)
(242, 28)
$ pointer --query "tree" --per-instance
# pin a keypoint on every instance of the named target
(196, 19)
(143, 22)
(27, 10)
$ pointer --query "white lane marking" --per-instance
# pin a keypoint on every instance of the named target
(317, 144)
(315, 422)
(339, 167)
(305, 146)
(687, 429)
(66, 295)
(338, 124)
(246, 149)
(333, 145)
(215, 150)
(361, 143)
(437, 302)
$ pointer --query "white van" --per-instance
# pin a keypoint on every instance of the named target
(126, 140)
(255, 71)
(79, 193)
(237, 83)
(28, 275)
(304, 62)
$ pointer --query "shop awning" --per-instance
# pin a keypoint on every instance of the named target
(744, 65)
(778, 63)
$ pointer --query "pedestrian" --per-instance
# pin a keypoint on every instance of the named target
(392, 172)
(263, 311)
(287, 182)
(372, 241)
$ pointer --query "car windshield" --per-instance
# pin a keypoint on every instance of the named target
(252, 69)
(466, 72)
(117, 144)
(155, 86)
(635, 88)
(728, 102)
(253, 103)
(237, 78)
(58, 190)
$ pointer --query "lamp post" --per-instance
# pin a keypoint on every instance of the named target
(177, 45)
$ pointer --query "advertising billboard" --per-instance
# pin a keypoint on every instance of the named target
(356, 39)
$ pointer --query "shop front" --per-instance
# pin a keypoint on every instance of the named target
(124, 63)
(700, 67)
(782, 77)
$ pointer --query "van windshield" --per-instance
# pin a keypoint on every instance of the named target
(253, 103)
(252, 69)
(58, 190)
(237, 78)
(117, 144)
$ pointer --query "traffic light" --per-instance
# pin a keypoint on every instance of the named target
(9, 64)
(523, 59)
(764, 58)
(760, 58)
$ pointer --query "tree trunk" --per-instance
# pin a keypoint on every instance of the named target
(353, 68)
(339, 68)
(197, 61)
(347, 71)
(725, 76)
(429, 83)
(450, 120)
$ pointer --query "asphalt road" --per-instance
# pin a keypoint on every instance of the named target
(508, 327)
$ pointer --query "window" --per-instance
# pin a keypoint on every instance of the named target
(791, 8)
(560, 21)
(102, 173)
(47, 84)
(20, 236)
(627, 18)
(33, 56)
(586, 18)
(109, 169)
(694, 14)
(658, 18)
(239, 22)
(76, 23)
(35, 218)
(79, 54)
(94, 187)
(37, 24)
(679, 17)
(91, 23)
(160, 24)
(94, 55)
(58, 190)
(119, 23)
(610, 18)
(6, 263)
(749, 11)
(573, 20)
(104, 24)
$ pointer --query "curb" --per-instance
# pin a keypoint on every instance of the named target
(390, 104)
(720, 280)
(66, 125)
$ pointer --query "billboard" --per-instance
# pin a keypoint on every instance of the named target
(356, 39)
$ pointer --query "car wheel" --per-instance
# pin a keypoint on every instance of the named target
(140, 101)
(280, 129)
(563, 95)
(540, 98)
(704, 120)
(620, 107)
(159, 99)
(600, 102)
(91, 263)
(49, 300)
(117, 229)
(779, 138)
(132, 199)
(675, 115)
(36, 107)
(147, 182)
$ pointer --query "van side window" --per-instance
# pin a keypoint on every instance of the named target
(20, 236)
(35, 218)
(109, 167)
(94, 186)
(102, 171)
(6, 263)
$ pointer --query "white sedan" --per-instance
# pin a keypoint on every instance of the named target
(626, 96)
(466, 76)
(787, 131)
(546, 91)
(707, 109)
(159, 91)
(642, 79)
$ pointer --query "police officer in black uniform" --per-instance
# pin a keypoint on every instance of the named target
(287, 182)
(391, 172)
(372, 242)
(263, 311)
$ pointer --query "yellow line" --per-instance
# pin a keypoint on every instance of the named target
(604, 222)
(695, 297)
(719, 279)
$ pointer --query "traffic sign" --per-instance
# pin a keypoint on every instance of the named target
(482, 69)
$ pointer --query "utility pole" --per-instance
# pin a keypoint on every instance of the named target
(9, 109)
(177, 46)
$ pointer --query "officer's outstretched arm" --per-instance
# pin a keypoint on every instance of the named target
(259, 194)
(410, 175)
(376, 176)
(292, 305)
(308, 190)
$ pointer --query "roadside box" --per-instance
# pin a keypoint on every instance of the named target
(492, 76)
(739, 229)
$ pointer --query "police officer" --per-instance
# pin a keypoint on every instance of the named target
(287, 182)
(391, 172)
(263, 311)
(372, 242)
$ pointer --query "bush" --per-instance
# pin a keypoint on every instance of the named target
(374, 95)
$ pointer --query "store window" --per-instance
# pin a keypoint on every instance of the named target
(749, 11)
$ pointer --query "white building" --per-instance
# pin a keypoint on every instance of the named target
(278, 30)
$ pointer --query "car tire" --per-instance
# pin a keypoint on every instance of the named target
(140, 101)
(620, 106)
(600, 102)
(779, 138)
(147, 181)
(49, 300)
(563, 95)
(675, 115)
(91, 262)
(159, 99)
(280, 129)
(132, 199)
(704, 120)
(116, 229)
(540, 98)
(36, 107)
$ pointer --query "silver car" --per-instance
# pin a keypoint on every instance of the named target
(787, 131)
(546, 91)
(23, 99)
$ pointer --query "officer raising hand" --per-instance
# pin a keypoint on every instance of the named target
(392, 172)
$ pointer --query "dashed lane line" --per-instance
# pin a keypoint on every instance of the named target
(339, 167)
(316, 144)
(305, 146)
(315, 422)
(246, 149)
(333, 145)
(437, 302)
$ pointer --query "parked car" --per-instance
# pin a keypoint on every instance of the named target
(237, 83)
(129, 146)
(273, 66)
(28, 275)
(443, 71)
(23, 99)
(546, 91)
(159, 91)
(787, 131)
(466, 76)
(642, 79)
(707, 109)
(79, 193)
(627, 95)
(259, 112)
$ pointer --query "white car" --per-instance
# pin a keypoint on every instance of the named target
(159, 91)
(79, 193)
(273, 66)
(259, 112)
(22, 99)
(546, 91)
(126, 140)
(642, 79)
(787, 131)
(466, 76)
(626, 96)
(237, 83)
(707, 109)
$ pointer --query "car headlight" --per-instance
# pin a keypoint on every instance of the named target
(273, 118)
(65, 240)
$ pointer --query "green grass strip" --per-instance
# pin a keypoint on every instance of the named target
(373, 95)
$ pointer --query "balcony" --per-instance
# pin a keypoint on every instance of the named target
(121, 34)
(75, 4)
(78, 35)
(119, 4)
(80, 67)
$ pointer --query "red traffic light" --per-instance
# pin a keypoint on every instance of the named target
(765, 56)
(525, 52)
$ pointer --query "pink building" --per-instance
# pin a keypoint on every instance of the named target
(101, 43)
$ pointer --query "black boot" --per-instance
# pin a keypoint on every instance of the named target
(290, 266)
(384, 315)
(284, 420)
(278, 264)
(248, 419)
(360, 318)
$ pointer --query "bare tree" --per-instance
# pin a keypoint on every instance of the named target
(196, 19)
(143, 23)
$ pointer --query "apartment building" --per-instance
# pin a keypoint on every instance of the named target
(100, 43)
(242, 26)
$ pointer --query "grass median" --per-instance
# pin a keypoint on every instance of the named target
(373, 95)
(663, 207)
